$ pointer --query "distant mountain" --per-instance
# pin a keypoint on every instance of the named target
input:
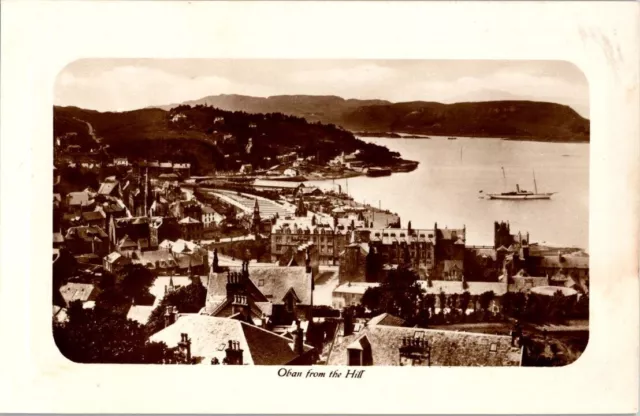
(327, 109)
(511, 119)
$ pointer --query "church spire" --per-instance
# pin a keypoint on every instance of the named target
(255, 223)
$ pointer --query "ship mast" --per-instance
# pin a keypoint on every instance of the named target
(535, 185)
(504, 179)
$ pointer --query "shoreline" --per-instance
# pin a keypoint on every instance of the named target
(414, 136)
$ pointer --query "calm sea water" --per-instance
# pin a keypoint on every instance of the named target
(445, 187)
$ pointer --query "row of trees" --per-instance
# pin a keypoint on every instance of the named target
(402, 296)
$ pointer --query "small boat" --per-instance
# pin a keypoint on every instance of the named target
(375, 172)
(406, 167)
(452, 138)
(521, 194)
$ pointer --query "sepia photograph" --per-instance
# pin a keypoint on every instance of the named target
(315, 212)
(413, 207)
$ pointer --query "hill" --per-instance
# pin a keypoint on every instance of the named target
(511, 119)
(213, 139)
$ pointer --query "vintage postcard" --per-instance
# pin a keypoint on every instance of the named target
(321, 219)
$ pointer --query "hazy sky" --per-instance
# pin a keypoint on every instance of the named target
(126, 84)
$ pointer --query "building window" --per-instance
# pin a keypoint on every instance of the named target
(493, 348)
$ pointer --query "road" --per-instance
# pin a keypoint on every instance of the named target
(91, 131)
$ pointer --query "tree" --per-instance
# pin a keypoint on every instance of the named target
(442, 299)
(465, 298)
(99, 336)
(485, 300)
(430, 303)
(187, 299)
(399, 295)
(136, 281)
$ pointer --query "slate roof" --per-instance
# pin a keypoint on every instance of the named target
(567, 262)
(357, 288)
(217, 293)
(448, 348)
(276, 282)
(58, 238)
(127, 242)
(183, 246)
(525, 283)
(86, 233)
(268, 284)
(483, 252)
(83, 198)
(77, 291)
(93, 215)
(386, 319)
(210, 336)
(455, 286)
(107, 187)
(149, 258)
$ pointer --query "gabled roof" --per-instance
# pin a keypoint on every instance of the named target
(83, 198)
(217, 293)
(107, 187)
(72, 292)
(386, 319)
(183, 246)
(86, 233)
(117, 258)
(275, 282)
(448, 348)
(127, 242)
(210, 337)
(188, 220)
(93, 215)
(357, 288)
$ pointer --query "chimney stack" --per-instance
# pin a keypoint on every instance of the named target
(234, 353)
(240, 305)
(347, 322)
(170, 315)
(298, 339)
(185, 347)
(307, 261)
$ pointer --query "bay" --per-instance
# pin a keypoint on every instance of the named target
(445, 187)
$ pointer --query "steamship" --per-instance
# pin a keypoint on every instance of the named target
(521, 194)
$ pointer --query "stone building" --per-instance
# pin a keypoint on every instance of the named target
(329, 238)
(414, 248)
